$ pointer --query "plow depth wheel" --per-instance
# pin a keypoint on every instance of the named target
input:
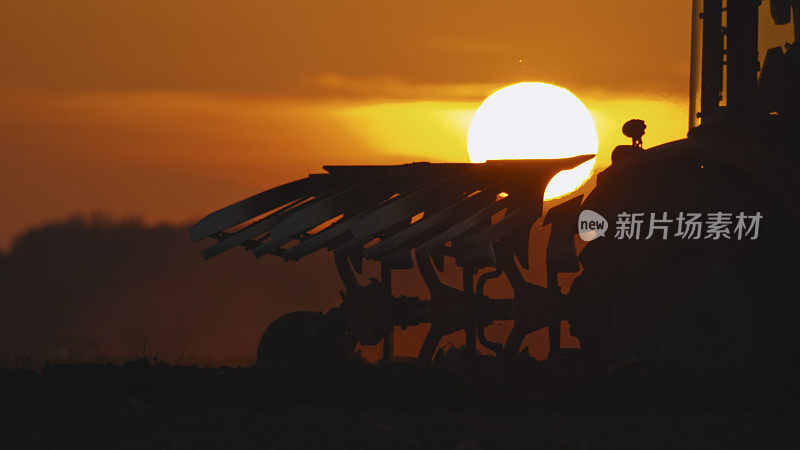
(290, 337)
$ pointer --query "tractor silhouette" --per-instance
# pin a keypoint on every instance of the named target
(695, 269)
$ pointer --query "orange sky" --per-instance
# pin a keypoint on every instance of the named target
(168, 109)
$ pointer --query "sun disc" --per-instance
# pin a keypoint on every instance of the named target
(534, 121)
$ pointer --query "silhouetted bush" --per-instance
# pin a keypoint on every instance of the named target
(92, 288)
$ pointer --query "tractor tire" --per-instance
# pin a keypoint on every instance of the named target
(704, 306)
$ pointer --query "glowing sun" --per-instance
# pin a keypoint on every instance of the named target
(535, 121)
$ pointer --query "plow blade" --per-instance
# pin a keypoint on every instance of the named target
(350, 207)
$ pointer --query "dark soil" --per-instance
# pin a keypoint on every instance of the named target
(556, 404)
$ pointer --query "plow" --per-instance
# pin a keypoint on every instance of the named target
(399, 217)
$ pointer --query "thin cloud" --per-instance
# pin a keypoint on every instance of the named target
(274, 47)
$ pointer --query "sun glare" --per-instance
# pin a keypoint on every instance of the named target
(535, 121)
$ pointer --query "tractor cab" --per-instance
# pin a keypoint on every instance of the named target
(744, 65)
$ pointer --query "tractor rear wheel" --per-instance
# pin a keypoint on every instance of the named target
(701, 305)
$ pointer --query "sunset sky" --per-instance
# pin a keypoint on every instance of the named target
(170, 109)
